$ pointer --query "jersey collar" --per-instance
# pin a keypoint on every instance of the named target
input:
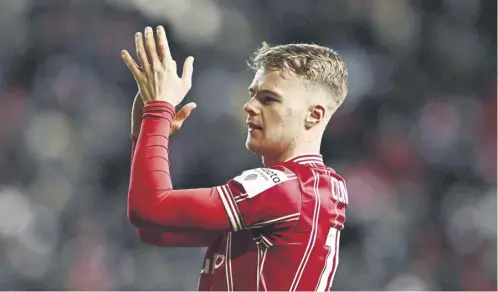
(309, 158)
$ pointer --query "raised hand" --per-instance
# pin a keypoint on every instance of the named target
(158, 79)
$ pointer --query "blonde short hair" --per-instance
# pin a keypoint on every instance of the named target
(316, 64)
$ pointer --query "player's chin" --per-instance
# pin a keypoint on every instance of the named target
(254, 145)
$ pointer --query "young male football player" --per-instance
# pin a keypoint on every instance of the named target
(271, 228)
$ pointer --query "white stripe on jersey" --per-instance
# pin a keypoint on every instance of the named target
(262, 240)
(258, 267)
(331, 260)
(266, 241)
(308, 159)
(312, 240)
(239, 197)
(230, 207)
(260, 272)
(236, 208)
(228, 267)
(286, 218)
(229, 210)
(336, 259)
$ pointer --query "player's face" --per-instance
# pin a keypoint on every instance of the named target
(276, 110)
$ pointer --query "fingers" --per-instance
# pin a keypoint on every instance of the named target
(130, 63)
(188, 70)
(142, 55)
(157, 69)
(151, 49)
(162, 43)
(172, 67)
(152, 56)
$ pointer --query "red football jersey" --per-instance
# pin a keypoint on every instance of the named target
(273, 228)
(286, 221)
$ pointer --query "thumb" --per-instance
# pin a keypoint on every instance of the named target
(185, 111)
(181, 116)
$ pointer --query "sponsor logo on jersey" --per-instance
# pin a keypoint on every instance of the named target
(251, 176)
(256, 181)
(272, 173)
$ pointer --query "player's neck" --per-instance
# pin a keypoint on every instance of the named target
(307, 147)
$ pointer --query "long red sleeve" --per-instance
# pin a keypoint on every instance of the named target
(151, 196)
(163, 236)
(166, 236)
(152, 236)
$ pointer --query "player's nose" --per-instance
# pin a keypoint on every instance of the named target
(250, 107)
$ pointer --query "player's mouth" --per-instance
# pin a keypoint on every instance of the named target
(252, 126)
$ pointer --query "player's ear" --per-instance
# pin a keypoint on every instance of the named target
(316, 113)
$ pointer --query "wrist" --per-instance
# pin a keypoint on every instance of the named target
(159, 103)
(159, 108)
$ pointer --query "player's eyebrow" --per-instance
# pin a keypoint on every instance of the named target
(252, 91)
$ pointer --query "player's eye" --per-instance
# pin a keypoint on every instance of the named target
(267, 99)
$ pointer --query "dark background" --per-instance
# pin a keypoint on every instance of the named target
(415, 140)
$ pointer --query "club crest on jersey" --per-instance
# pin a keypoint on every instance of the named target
(256, 181)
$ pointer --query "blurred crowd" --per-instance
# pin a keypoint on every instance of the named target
(415, 139)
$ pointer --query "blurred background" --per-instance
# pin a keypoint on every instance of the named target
(415, 139)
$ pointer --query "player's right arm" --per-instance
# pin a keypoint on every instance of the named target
(181, 238)
(155, 234)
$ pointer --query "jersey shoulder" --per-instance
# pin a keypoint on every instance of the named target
(257, 180)
(331, 172)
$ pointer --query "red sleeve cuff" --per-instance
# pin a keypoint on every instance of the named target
(156, 109)
(159, 109)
